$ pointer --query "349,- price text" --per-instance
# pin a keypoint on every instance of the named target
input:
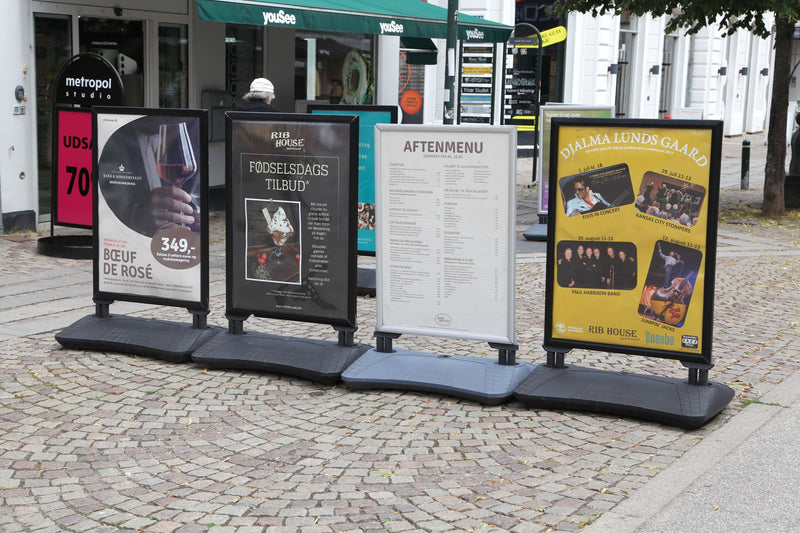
(175, 245)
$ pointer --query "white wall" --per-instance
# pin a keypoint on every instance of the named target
(758, 95)
(705, 85)
(736, 88)
(18, 172)
(591, 49)
(646, 87)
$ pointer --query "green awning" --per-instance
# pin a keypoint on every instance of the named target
(405, 18)
(419, 50)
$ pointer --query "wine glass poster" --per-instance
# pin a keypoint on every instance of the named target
(151, 183)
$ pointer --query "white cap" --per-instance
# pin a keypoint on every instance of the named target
(262, 85)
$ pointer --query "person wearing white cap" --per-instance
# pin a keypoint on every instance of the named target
(260, 97)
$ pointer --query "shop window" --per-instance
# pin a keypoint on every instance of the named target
(341, 67)
(244, 58)
(173, 68)
(122, 43)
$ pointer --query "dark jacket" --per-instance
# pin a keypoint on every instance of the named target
(257, 105)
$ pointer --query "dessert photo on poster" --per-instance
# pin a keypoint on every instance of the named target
(670, 282)
(596, 190)
(273, 241)
(596, 265)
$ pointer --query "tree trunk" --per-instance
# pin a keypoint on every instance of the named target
(775, 168)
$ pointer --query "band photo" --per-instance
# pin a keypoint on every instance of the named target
(596, 265)
(596, 190)
(670, 199)
(670, 282)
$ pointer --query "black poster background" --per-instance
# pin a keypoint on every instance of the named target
(308, 166)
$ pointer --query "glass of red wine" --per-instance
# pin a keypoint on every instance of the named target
(175, 160)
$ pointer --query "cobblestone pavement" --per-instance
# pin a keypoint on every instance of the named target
(94, 441)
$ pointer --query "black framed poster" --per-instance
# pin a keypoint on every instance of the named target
(632, 237)
(291, 219)
(151, 206)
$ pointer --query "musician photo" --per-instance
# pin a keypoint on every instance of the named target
(596, 190)
(585, 199)
(596, 265)
(669, 284)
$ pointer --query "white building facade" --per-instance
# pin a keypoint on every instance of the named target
(173, 58)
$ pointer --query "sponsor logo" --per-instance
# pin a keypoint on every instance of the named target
(561, 327)
(475, 35)
(443, 319)
(689, 341)
(284, 140)
(663, 340)
(391, 27)
(620, 332)
(281, 17)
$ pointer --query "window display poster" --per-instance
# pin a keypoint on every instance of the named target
(548, 112)
(72, 185)
(446, 231)
(292, 182)
(368, 117)
(631, 254)
(151, 232)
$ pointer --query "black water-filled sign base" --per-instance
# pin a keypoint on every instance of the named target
(316, 360)
(537, 232)
(66, 246)
(169, 341)
(365, 281)
(477, 379)
(669, 401)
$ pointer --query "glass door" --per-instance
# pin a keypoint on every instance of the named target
(53, 41)
(122, 43)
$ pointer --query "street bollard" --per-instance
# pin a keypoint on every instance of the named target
(745, 182)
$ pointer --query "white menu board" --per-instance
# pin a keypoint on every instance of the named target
(445, 231)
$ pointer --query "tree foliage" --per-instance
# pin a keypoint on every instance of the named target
(729, 16)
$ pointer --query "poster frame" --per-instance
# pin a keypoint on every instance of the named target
(55, 185)
(704, 357)
(360, 111)
(349, 176)
(509, 132)
(202, 304)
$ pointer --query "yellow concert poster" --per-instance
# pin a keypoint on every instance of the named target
(631, 250)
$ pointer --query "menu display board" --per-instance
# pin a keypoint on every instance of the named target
(548, 112)
(368, 117)
(291, 216)
(151, 231)
(632, 240)
(446, 231)
(72, 164)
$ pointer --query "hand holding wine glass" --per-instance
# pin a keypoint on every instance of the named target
(176, 166)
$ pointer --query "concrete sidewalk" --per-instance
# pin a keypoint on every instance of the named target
(94, 441)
